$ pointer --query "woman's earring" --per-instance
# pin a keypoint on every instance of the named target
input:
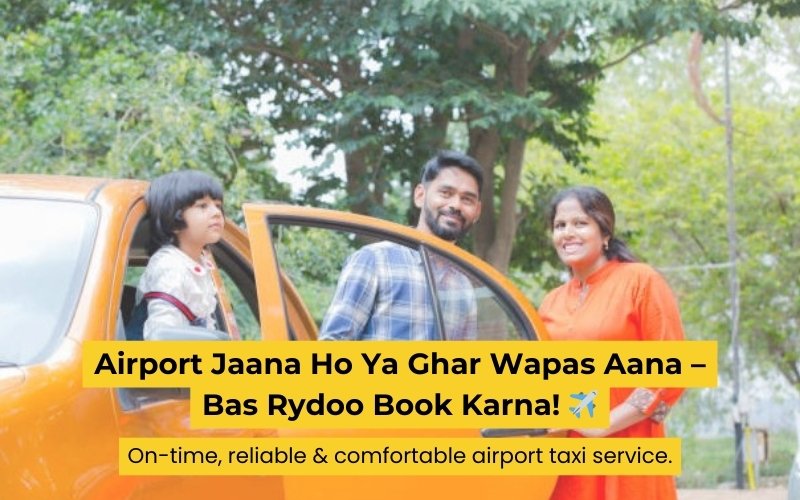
(605, 246)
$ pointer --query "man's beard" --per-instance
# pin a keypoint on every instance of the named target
(442, 231)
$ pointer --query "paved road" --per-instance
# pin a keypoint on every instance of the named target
(773, 493)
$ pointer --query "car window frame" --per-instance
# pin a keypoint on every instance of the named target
(261, 218)
(140, 399)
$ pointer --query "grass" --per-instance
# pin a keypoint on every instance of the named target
(709, 462)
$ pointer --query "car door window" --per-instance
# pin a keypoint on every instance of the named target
(466, 305)
(238, 306)
(237, 311)
(239, 288)
(311, 259)
(43, 261)
(466, 298)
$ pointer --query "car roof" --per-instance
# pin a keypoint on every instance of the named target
(64, 187)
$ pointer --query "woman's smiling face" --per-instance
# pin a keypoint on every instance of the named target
(578, 239)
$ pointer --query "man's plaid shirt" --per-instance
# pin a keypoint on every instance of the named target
(382, 294)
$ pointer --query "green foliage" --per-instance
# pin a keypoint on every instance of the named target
(312, 259)
(93, 94)
(662, 161)
(134, 89)
(18, 15)
(382, 84)
(663, 165)
(708, 462)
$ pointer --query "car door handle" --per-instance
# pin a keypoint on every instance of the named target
(492, 433)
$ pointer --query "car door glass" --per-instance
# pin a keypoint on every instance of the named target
(246, 319)
(236, 277)
(311, 259)
(43, 261)
(237, 291)
(471, 308)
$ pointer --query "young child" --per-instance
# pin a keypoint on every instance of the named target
(185, 209)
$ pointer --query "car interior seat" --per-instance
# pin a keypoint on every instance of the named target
(127, 303)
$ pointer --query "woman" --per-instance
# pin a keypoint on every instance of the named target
(610, 297)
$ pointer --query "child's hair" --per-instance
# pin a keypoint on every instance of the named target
(169, 195)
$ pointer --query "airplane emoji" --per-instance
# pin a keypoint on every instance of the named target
(585, 401)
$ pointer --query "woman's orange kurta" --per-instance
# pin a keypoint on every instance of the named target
(624, 301)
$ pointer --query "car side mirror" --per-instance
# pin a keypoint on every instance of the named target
(187, 333)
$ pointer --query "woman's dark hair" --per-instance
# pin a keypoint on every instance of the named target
(597, 206)
(446, 159)
(169, 195)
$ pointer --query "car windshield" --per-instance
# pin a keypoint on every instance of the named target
(43, 257)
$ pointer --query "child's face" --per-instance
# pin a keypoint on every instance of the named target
(204, 223)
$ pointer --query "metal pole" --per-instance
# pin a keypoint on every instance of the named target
(738, 426)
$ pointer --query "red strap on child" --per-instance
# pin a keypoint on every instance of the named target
(175, 302)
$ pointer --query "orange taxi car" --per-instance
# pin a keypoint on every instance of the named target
(72, 251)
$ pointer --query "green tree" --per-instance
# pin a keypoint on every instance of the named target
(92, 93)
(386, 84)
(663, 164)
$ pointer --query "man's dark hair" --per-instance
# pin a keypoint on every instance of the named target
(169, 195)
(447, 159)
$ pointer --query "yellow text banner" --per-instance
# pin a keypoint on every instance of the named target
(398, 384)
(439, 407)
(516, 364)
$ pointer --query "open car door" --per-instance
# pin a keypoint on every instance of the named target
(298, 254)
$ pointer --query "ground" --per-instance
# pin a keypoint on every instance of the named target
(771, 493)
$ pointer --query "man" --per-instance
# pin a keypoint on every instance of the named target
(383, 292)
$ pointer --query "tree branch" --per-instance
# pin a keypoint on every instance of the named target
(695, 81)
(298, 64)
(592, 74)
(221, 9)
(497, 35)
(545, 50)
(631, 52)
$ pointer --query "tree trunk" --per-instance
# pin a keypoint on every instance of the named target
(484, 146)
(358, 191)
(495, 238)
(430, 135)
(359, 194)
(499, 253)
